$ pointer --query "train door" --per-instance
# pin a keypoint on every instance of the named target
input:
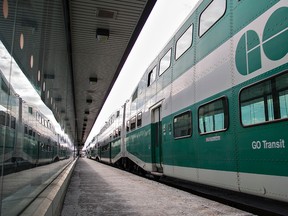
(156, 140)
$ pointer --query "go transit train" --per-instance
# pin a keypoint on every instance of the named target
(212, 108)
(27, 138)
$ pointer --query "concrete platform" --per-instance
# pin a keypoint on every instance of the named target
(49, 202)
(97, 189)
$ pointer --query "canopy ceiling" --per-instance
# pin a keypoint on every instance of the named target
(54, 42)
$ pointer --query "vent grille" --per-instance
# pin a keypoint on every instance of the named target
(105, 14)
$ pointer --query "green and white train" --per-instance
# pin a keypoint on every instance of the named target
(27, 138)
(212, 107)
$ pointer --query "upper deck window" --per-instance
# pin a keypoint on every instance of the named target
(30, 110)
(211, 15)
(135, 94)
(184, 42)
(152, 76)
(165, 62)
(4, 87)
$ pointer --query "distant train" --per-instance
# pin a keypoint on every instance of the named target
(212, 107)
(27, 138)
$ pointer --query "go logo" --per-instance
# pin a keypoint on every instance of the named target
(274, 43)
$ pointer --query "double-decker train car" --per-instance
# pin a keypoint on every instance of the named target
(27, 138)
(109, 141)
(92, 150)
(212, 107)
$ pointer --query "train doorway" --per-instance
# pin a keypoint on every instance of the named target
(156, 145)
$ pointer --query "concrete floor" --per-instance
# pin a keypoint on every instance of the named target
(97, 189)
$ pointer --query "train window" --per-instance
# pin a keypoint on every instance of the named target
(165, 62)
(4, 87)
(30, 131)
(117, 113)
(30, 110)
(265, 101)
(152, 76)
(2, 118)
(213, 117)
(211, 15)
(135, 95)
(184, 42)
(133, 123)
(182, 125)
(119, 131)
(139, 119)
(25, 129)
(7, 122)
(115, 133)
(128, 126)
(5, 119)
(13, 122)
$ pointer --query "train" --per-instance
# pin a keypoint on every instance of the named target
(27, 137)
(212, 107)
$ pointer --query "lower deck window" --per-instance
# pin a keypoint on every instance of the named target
(2, 118)
(182, 125)
(139, 119)
(265, 101)
(128, 126)
(133, 123)
(213, 116)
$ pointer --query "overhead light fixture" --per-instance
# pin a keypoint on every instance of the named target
(102, 35)
(93, 80)
(89, 101)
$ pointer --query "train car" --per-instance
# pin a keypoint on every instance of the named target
(27, 137)
(64, 150)
(212, 108)
(109, 141)
(92, 150)
(40, 141)
(9, 115)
